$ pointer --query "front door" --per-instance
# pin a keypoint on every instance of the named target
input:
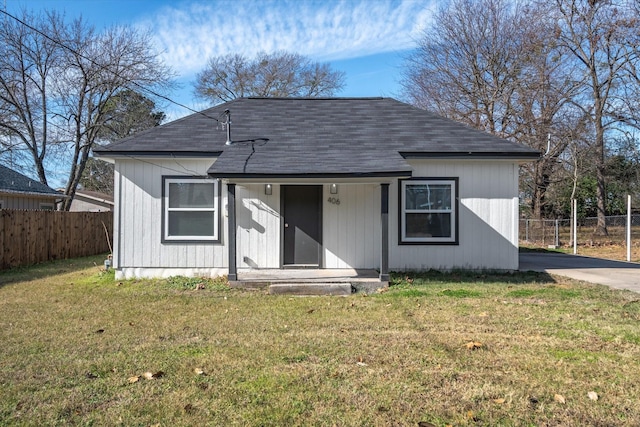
(302, 221)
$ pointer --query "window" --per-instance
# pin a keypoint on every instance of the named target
(428, 211)
(191, 209)
(1, 204)
(47, 207)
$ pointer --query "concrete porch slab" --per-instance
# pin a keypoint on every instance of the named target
(310, 281)
(335, 289)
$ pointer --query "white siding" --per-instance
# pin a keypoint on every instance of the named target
(258, 226)
(488, 234)
(352, 229)
(139, 250)
(488, 214)
(25, 202)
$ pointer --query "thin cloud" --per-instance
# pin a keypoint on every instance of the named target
(191, 32)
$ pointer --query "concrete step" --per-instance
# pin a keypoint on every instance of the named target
(337, 289)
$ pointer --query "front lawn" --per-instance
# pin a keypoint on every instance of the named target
(442, 349)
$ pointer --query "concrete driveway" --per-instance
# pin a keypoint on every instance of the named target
(616, 274)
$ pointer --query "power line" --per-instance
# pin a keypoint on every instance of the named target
(70, 49)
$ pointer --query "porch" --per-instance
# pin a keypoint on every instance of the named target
(335, 233)
(343, 281)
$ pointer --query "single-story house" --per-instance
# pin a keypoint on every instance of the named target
(18, 191)
(333, 183)
(91, 201)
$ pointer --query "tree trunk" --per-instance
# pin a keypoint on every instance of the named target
(601, 195)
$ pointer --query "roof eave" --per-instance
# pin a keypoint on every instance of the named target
(525, 156)
(315, 175)
(154, 153)
(18, 193)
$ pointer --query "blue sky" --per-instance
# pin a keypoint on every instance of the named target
(367, 39)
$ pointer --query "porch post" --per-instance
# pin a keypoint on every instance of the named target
(384, 216)
(231, 223)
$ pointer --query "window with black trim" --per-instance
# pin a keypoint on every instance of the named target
(47, 207)
(428, 212)
(190, 209)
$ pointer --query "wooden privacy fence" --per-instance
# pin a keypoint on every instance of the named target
(30, 237)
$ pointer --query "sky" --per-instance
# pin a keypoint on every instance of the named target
(367, 39)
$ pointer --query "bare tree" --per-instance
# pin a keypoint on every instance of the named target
(125, 113)
(97, 68)
(29, 62)
(279, 74)
(57, 79)
(543, 115)
(494, 65)
(466, 64)
(603, 36)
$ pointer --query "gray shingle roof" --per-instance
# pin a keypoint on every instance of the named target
(15, 182)
(326, 136)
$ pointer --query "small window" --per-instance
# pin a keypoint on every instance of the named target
(190, 209)
(47, 207)
(1, 204)
(428, 211)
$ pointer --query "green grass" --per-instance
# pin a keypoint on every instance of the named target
(72, 337)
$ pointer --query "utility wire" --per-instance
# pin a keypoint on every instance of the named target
(138, 85)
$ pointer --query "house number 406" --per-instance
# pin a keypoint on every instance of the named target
(334, 200)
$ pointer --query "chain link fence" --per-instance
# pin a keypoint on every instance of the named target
(557, 232)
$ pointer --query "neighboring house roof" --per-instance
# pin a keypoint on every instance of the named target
(317, 136)
(12, 182)
(85, 200)
(95, 196)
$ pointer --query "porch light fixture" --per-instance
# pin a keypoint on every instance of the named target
(268, 190)
(333, 189)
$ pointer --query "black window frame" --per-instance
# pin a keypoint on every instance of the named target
(455, 203)
(217, 238)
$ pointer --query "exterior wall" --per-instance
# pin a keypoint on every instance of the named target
(78, 205)
(487, 218)
(258, 226)
(487, 222)
(351, 230)
(25, 203)
(138, 247)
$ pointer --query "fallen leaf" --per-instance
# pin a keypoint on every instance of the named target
(99, 331)
(559, 398)
(311, 311)
(134, 379)
(499, 401)
(153, 375)
(483, 314)
(474, 345)
(199, 371)
(593, 395)
(361, 364)
(425, 424)
(91, 375)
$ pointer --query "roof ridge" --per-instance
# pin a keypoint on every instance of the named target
(323, 98)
